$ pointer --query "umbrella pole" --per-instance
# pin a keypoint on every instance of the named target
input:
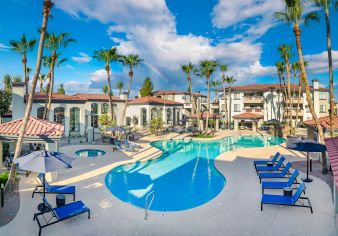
(44, 185)
(307, 179)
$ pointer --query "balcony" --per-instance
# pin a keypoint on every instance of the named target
(294, 111)
(251, 99)
(258, 111)
(295, 100)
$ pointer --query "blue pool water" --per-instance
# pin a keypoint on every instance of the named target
(182, 178)
(90, 153)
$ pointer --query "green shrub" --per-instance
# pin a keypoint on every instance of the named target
(156, 124)
(4, 177)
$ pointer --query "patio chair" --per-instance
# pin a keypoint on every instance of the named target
(273, 167)
(294, 200)
(59, 214)
(270, 175)
(267, 162)
(54, 189)
(280, 185)
(126, 148)
(132, 145)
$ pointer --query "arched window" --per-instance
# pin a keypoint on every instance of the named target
(153, 113)
(40, 112)
(169, 116)
(94, 114)
(144, 116)
(104, 108)
(59, 115)
(75, 119)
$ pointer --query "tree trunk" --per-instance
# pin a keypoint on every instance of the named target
(308, 95)
(288, 74)
(298, 99)
(41, 86)
(111, 106)
(51, 86)
(283, 95)
(127, 98)
(229, 110)
(208, 109)
(46, 95)
(24, 59)
(47, 5)
(225, 104)
(194, 102)
(329, 53)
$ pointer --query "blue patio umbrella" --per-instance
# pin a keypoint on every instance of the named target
(44, 161)
(308, 146)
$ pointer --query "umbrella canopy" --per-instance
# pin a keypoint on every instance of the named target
(308, 146)
(44, 161)
(116, 129)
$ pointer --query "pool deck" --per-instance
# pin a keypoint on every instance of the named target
(235, 211)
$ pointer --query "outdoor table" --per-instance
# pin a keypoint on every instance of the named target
(60, 200)
(287, 191)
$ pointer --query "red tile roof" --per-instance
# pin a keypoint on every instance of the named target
(265, 87)
(324, 121)
(154, 100)
(39, 97)
(332, 150)
(248, 115)
(204, 115)
(176, 92)
(35, 128)
(96, 97)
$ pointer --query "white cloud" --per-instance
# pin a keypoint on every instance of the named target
(318, 63)
(3, 47)
(83, 58)
(149, 29)
(70, 67)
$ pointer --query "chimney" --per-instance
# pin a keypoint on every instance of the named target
(315, 84)
(123, 95)
(18, 96)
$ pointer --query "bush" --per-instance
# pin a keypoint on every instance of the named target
(203, 136)
(106, 121)
(156, 124)
(4, 177)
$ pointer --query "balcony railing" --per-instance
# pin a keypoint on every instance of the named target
(252, 99)
(259, 111)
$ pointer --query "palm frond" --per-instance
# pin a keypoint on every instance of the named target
(282, 16)
(312, 16)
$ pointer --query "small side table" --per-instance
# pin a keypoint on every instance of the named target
(60, 200)
(288, 191)
(269, 164)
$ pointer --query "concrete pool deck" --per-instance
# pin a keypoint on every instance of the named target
(235, 211)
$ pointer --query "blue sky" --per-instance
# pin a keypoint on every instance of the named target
(165, 34)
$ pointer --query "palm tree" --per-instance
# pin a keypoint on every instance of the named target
(229, 80)
(42, 79)
(119, 86)
(17, 79)
(7, 81)
(215, 85)
(280, 72)
(108, 56)
(23, 46)
(188, 69)
(293, 15)
(300, 85)
(285, 51)
(325, 5)
(206, 69)
(53, 43)
(47, 6)
(130, 61)
(223, 68)
(28, 71)
(105, 89)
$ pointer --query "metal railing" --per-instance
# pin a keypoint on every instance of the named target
(147, 205)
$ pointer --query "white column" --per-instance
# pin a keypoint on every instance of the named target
(235, 124)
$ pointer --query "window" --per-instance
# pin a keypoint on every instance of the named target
(237, 96)
(144, 116)
(75, 119)
(59, 115)
(94, 108)
(169, 115)
(153, 113)
(104, 108)
(322, 95)
(128, 121)
(40, 112)
(95, 117)
(135, 120)
(237, 108)
(322, 109)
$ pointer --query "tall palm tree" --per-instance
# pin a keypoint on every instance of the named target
(105, 89)
(215, 85)
(188, 69)
(325, 5)
(7, 81)
(223, 68)
(293, 15)
(119, 86)
(28, 71)
(280, 66)
(47, 6)
(54, 42)
(300, 85)
(285, 51)
(23, 46)
(229, 80)
(206, 69)
(108, 56)
(130, 61)
(42, 79)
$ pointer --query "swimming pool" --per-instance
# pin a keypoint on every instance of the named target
(90, 153)
(183, 177)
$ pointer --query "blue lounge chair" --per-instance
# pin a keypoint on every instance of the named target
(284, 173)
(273, 167)
(281, 185)
(54, 189)
(294, 200)
(126, 148)
(59, 214)
(131, 145)
(267, 162)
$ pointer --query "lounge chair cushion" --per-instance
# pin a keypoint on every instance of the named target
(69, 210)
(61, 189)
(281, 174)
(277, 199)
(263, 162)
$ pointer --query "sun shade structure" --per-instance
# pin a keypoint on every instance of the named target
(43, 162)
